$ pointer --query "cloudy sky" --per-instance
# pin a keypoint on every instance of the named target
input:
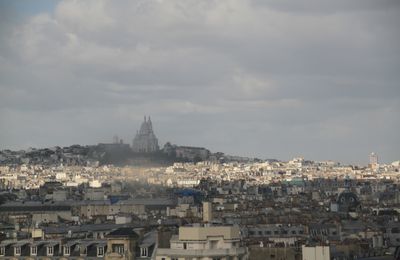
(273, 79)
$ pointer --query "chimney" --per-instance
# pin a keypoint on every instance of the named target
(164, 235)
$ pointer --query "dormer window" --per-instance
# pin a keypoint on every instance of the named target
(100, 251)
(17, 250)
(50, 250)
(118, 248)
(67, 250)
(33, 250)
(144, 251)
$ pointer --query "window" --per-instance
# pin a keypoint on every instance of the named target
(17, 250)
(184, 246)
(118, 248)
(100, 251)
(2, 250)
(143, 251)
(33, 250)
(67, 250)
(294, 232)
(213, 244)
(50, 250)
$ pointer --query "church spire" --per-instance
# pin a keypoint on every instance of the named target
(150, 125)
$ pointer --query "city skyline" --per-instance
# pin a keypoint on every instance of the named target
(146, 142)
(249, 78)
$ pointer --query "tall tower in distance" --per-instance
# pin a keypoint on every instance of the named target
(373, 161)
(115, 139)
(145, 140)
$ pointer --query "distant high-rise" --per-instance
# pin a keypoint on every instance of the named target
(115, 139)
(145, 140)
(373, 161)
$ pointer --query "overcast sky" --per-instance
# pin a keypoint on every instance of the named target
(273, 79)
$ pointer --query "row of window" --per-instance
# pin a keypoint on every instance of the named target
(67, 250)
(276, 232)
(17, 250)
(120, 249)
(116, 248)
(322, 232)
(50, 251)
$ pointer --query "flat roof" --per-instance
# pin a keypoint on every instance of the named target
(203, 233)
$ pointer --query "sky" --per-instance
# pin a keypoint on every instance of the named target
(272, 79)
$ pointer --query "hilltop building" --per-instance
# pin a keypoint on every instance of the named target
(145, 140)
(187, 152)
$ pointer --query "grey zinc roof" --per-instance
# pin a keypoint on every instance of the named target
(149, 239)
(81, 228)
(7, 242)
(72, 242)
(52, 243)
(23, 242)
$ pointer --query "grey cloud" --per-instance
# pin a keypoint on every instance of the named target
(260, 78)
(326, 6)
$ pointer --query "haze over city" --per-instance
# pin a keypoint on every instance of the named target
(272, 79)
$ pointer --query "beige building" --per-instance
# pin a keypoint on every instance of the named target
(90, 209)
(316, 252)
(204, 243)
(121, 244)
(207, 212)
(257, 252)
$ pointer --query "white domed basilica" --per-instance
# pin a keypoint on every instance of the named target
(145, 140)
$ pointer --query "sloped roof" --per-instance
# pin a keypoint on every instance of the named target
(123, 232)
